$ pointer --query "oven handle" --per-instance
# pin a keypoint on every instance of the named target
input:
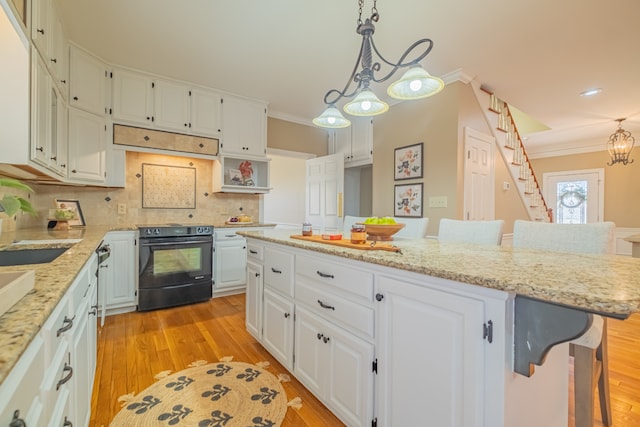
(174, 242)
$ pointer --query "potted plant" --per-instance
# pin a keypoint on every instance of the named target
(10, 204)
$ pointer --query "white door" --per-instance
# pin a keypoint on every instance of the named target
(576, 197)
(230, 263)
(479, 188)
(325, 189)
(253, 299)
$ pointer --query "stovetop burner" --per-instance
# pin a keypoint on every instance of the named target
(168, 230)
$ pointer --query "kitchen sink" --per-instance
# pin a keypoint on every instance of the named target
(13, 286)
(30, 256)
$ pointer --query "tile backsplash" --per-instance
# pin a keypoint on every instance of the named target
(100, 205)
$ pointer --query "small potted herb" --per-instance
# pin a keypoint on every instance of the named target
(10, 204)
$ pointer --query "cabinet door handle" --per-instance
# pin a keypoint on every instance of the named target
(326, 339)
(94, 310)
(286, 315)
(323, 305)
(16, 421)
(67, 423)
(54, 158)
(67, 324)
(40, 149)
(257, 274)
(54, 60)
(64, 82)
(319, 336)
(321, 274)
(379, 297)
(66, 379)
(40, 30)
(75, 98)
(276, 271)
(251, 251)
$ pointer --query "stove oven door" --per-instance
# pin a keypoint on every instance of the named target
(174, 271)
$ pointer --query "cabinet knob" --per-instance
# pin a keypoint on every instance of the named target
(54, 60)
(40, 149)
(186, 125)
(54, 158)
(257, 274)
(40, 30)
(74, 171)
(326, 339)
(379, 297)
(319, 336)
(75, 98)
(64, 82)
(286, 315)
(16, 421)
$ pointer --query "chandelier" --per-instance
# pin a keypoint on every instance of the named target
(620, 145)
(416, 82)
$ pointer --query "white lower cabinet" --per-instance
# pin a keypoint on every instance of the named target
(253, 299)
(431, 353)
(52, 382)
(230, 262)
(277, 327)
(336, 366)
(119, 275)
(386, 347)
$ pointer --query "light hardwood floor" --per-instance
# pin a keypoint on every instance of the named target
(133, 347)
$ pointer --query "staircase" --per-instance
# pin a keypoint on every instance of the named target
(512, 150)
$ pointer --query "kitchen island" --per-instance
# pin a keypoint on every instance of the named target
(440, 324)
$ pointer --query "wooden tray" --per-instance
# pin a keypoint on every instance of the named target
(346, 243)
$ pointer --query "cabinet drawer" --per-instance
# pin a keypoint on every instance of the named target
(79, 289)
(356, 283)
(255, 251)
(20, 389)
(57, 327)
(57, 381)
(350, 315)
(278, 270)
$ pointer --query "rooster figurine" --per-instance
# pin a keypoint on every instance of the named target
(246, 170)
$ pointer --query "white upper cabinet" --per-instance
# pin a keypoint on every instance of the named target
(87, 150)
(141, 99)
(41, 26)
(355, 143)
(132, 97)
(205, 112)
(49, 39)
(87, 82)
(171, 106)
(244, 127)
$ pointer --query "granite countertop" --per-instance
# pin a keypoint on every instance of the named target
(22, 322)
(605, 284)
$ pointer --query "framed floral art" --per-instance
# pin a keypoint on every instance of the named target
(408, 162)
(408, 200)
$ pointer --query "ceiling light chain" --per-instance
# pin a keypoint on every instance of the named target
(620, 145)
(416, 83)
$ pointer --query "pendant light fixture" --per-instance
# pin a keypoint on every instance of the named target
(416, 83)
(620, 145)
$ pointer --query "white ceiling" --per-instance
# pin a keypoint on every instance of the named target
(538, 55)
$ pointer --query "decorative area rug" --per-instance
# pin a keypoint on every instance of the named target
(222, 394)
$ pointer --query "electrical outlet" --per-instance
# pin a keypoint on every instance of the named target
(122, 208)
(438, 202)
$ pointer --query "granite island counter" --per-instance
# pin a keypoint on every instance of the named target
(441, 321)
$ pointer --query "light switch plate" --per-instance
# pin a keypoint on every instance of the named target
(438, 202)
